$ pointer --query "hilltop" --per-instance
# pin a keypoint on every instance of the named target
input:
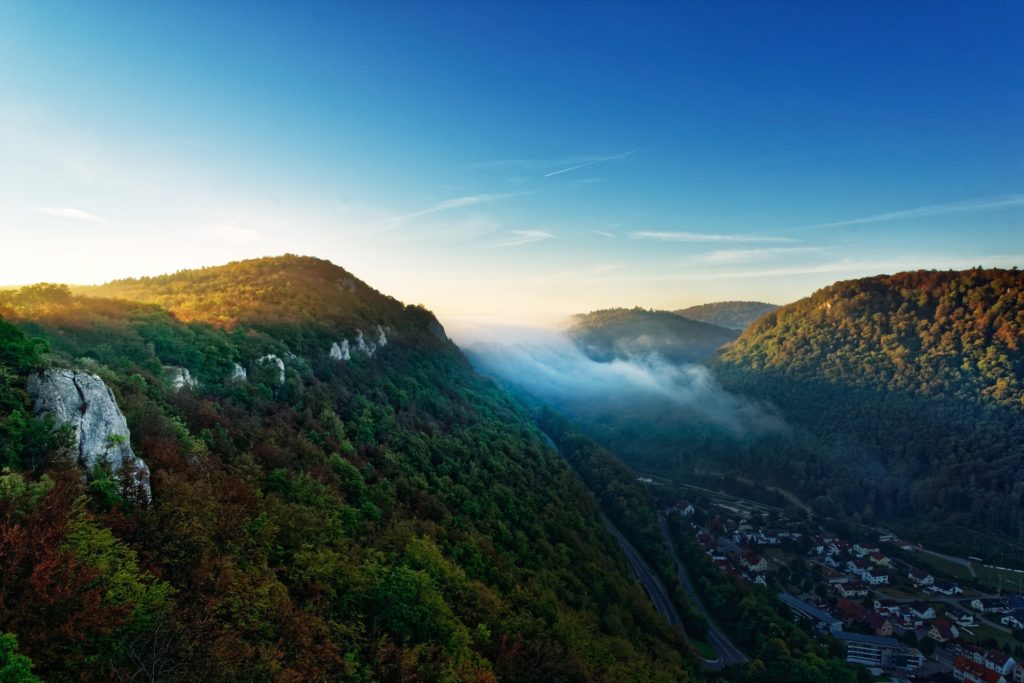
(735, 315)
(626, 332)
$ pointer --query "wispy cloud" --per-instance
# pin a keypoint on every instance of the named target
(597, 160)
(393, 222)
(969, 206)
(73, 214)
(665, 236)
(744, 255)
(521, 237)
(605, 233)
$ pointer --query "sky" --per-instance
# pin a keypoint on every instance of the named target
(514, 162)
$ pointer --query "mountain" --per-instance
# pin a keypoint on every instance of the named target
(914, 386)
(735, 315)
(627, 332)
(332, 494)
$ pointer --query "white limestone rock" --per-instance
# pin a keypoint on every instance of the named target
(101, 435)
(271, 358)
(238, 374)
(180, 377)
(341, 351)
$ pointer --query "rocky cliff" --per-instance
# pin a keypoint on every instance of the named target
(83, 401)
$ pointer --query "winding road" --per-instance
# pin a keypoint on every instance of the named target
(728, 653)
(651, 583)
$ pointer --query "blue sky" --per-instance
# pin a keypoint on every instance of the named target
(515, 162)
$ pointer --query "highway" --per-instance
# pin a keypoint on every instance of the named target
(651, 583)
(728, 653)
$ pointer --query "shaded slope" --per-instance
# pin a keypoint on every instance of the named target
(624, 333)
(734, 315)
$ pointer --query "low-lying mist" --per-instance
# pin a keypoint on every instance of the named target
(642, 406)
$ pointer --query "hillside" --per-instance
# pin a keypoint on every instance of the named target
(627, 332)
(734, 315)
(336, 495)
(915, 384)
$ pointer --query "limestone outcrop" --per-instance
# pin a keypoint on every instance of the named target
(83, 401)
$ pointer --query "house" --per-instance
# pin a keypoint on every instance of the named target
(921, 610)
(879, 652)
(848, 610)
(907, 546)
(878, 624)
(685, 508)
(822, 619)
(852, 589)
(753, 561)
(876, 577)
(1018, 673)
(966, 669)
(989, 605)
(997, 660)
(887, 607)
(960, 616)
(943, 631)
(945, 587)
(879, 560)
(920, 577)
(862, 549)
(1013, 619)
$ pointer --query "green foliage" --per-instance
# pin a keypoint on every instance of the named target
(386, 518)
(14, 668)
(735, 315)
(909, 392)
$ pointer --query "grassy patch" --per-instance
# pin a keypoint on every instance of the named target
(703, 649)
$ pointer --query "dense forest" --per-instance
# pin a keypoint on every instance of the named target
(907, 393)
(626, 332)
(735, 315)
(387, 516)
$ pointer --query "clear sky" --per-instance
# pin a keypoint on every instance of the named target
(515, 160)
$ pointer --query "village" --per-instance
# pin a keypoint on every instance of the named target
(882, 597)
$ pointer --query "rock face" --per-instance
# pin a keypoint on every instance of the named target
(180, 377)
(340, 351)
(272, 358)
(238, 374)
(82, 400)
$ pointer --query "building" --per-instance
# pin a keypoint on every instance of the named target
(920, 577)
(1013, 619)
(921, 610)
(966, 669)
(989, 605)
(822, 619)
(960, 616)
(943, 631)
(880, 652)
(753, 561)
(852, 589)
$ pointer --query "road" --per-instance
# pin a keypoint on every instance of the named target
(651, 583)
(727, 652)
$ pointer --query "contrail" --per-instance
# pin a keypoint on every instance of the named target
(591, 163)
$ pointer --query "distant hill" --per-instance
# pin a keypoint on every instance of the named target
(914, 382)
(735, 315)
(625, 332)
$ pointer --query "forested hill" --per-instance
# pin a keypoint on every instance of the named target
(735, 315)
(625, 332)
(926, 332)
(336, 495)
(914, 383)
